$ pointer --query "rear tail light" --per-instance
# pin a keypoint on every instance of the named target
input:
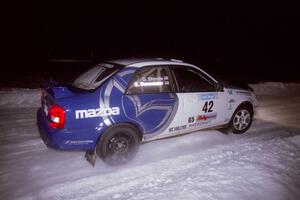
(57, 116)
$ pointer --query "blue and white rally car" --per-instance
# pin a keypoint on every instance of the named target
(114, 106)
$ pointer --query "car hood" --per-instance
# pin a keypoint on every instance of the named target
(238, 85)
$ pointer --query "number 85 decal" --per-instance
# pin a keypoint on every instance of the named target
(208, 105)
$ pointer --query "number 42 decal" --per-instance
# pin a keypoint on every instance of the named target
(208, 106)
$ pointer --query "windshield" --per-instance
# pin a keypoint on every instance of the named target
(95, 76)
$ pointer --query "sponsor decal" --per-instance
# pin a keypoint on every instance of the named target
(230, 105)
(206, 117)
(177, 128)
(244, 92)
(78, 142)
(201, 119)
(99, 112)
(207, 96)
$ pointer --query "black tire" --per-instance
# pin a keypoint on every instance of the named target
(118, 144)
(241, 119)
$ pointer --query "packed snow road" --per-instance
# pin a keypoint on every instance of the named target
(264, 163)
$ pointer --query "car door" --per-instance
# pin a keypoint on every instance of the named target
(202, 102)
(150, 100)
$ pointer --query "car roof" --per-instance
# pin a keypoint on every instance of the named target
(138, 62)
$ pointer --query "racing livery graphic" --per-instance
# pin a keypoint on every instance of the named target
(116, 105)
(97, 112)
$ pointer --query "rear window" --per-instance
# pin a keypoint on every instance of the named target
(95, 76)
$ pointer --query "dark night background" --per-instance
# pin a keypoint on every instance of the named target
(252, 45)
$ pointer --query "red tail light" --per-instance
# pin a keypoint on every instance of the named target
(57, 116)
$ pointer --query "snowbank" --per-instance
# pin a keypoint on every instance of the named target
(276, 88)
(19, 98)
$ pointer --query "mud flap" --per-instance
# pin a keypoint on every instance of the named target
(91, 156)
(225, 130)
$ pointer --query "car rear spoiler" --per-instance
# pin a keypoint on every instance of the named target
(54, 89)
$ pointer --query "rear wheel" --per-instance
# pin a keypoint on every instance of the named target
(118, 144)
(241, 120)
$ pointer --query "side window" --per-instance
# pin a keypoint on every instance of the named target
(150, 80)
(191, 80)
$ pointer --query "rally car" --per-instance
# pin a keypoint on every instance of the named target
(116, 105)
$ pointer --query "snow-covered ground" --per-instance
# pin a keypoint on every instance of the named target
(264, 163)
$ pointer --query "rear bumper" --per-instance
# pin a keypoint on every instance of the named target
(63, 139)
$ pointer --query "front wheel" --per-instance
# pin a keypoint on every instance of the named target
(241, 120)
(118, 144)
